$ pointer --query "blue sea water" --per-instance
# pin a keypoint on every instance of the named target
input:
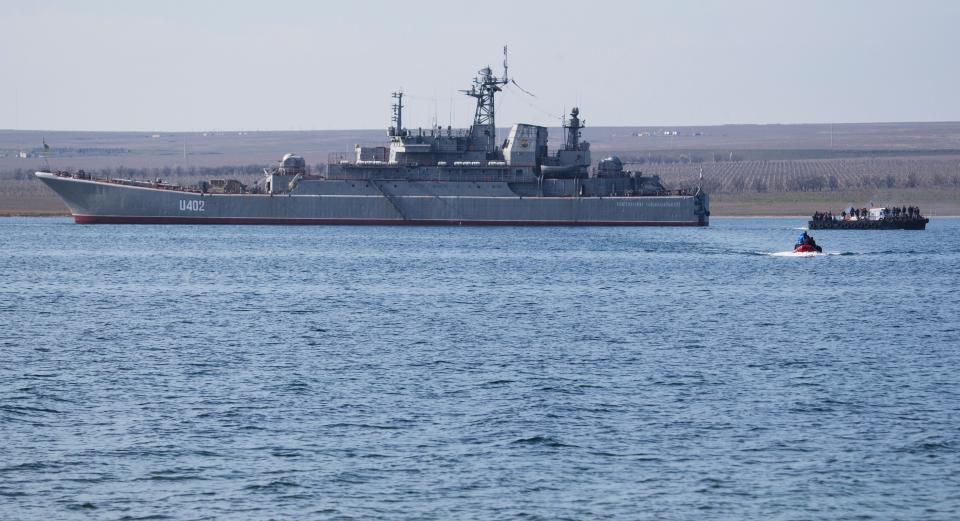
(187, 372)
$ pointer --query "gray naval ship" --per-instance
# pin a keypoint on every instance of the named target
(435, 177)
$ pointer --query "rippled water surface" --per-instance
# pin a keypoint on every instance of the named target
(478, 373)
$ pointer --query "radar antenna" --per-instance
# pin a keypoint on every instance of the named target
(484, 88)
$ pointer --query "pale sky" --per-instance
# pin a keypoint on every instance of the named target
(291, 65)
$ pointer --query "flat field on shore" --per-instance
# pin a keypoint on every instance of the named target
(747, 169)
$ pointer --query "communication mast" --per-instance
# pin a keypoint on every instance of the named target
(573, 130)
(485, 86)
(397, 118)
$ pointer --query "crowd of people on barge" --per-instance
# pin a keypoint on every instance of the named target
(856, 214)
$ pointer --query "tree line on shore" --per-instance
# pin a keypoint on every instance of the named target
(821, 175)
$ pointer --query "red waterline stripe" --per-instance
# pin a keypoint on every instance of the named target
(120, 219)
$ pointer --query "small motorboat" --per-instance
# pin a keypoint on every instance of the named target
(806, 244)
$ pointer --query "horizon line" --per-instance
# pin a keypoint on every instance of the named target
(770, 124)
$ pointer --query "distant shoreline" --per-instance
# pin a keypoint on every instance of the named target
(713, 216)
(788, 171)
(37, 214)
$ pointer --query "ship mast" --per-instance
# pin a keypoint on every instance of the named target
(573, 130)
(397, 129)
(485, 86)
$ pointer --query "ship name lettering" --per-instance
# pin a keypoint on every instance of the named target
(650, 204)
(191, 205)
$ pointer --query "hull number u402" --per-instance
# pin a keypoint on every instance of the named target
(191, 205)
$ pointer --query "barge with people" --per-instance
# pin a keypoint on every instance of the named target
(880, 218)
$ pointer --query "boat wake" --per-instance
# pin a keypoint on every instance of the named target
(806, 253)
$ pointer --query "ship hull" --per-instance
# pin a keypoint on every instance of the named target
(101, 202)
